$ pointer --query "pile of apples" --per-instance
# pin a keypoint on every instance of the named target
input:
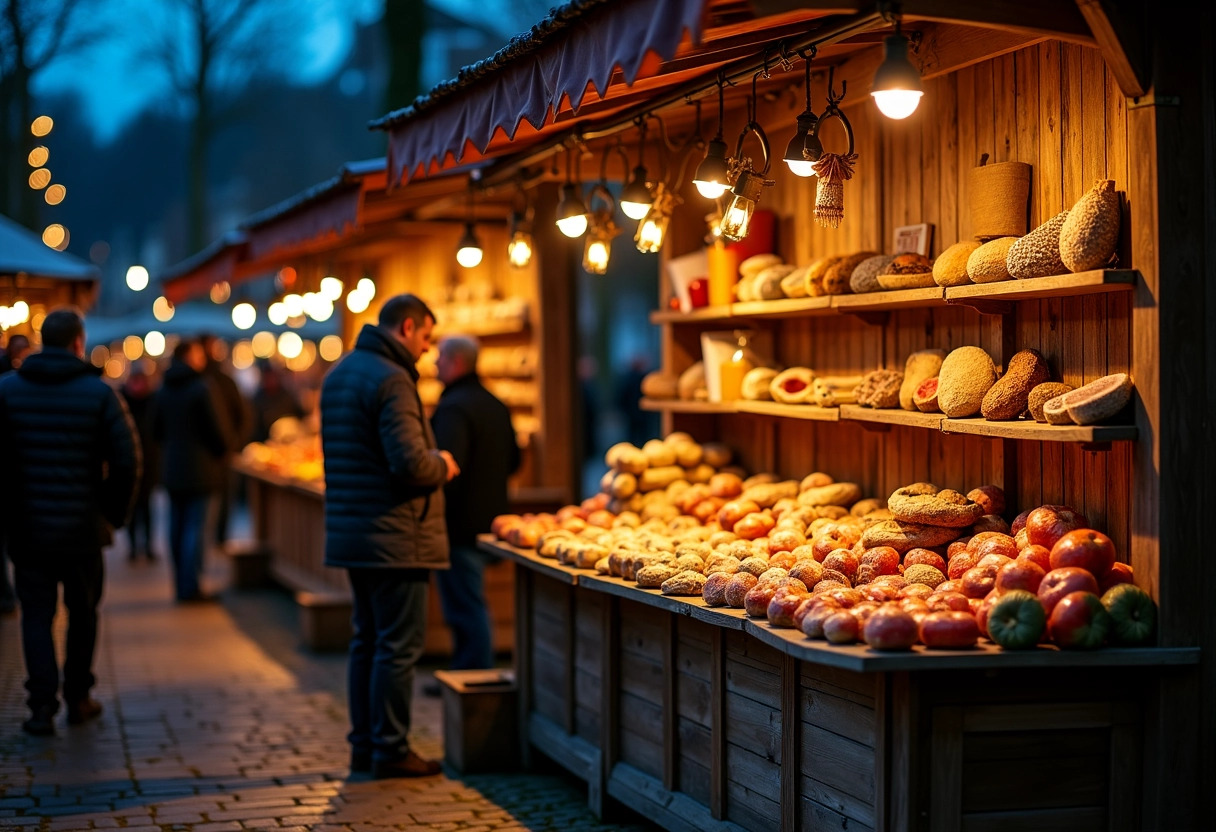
(1052, 579)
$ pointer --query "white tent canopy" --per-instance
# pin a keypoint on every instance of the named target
(22, 252)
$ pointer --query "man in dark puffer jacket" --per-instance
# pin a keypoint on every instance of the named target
(70, 443)
(384, 524)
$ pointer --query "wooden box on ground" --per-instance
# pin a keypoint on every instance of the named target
(479, 720)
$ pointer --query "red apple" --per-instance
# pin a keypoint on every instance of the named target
(959, 564)
(957, 547)
(841, 628)
(890, 628)
(1021, 539)
(948, 602)
(1047, 524)
(1079, 621)
(1119, 573)
(979, 581)
(921, 591)
(991, 497)
(881, 591)
(812, 622)
(1019, 574)
(1036, 554)
(1086, 548)
(981, 607)
(1019, 522)
(994, 560)
(993, 543)
(951, 629)
(955, 585)
(863, 611)
(784, 604)
(1060, 582)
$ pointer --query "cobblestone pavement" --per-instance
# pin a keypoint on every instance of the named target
(215, 720)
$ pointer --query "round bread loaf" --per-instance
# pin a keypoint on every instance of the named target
(1090, 234)
(907, 271)
(691, 385)
(917, 280)
(794, 283)
(660, 385)
(865, 276)
(923, 502)
(837, 279)
(1041, 394)
(950, 267)
(767, 284)
(815, 274)
(792, 386)
(902, 536)
(756, 383)
(757, 263)
(909, 263)
(880, 389)
(966, 375)
(987, 263)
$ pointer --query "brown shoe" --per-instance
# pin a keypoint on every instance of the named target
(411, 765)
(84, 710)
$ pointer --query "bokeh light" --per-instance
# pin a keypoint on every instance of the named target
(304, 359)
(263, 344)
(42, 125)
(116, 366)
(39, 156)
(290, 345)
(331, 288)
(154, 344)
(294, 304)
(162, 309)
(357, 302)
(40, 178)
(277, 313)
(220, 292)
(244, 315)
(242, 355)
(137, 278)
(330, 347)
(367, 287)
(132, 347)
(55, 194)
(100, 355)
(55, 236)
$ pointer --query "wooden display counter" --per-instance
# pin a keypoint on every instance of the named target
(701, 718)
(288, 519)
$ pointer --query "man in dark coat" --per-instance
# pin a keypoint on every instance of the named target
(475, 427)
(67, 439)
(384, 524)
(232, 407)
(193, 441)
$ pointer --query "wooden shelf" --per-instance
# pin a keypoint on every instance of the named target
(1059, 286)
(891, 416)
(787, 308)
(888, 300)
(810, 412)
(1041, 432)
(681, 406)
(702, 315)
(484, 329)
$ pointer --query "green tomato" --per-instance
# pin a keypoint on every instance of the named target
(1133, 615)
(1017, 620)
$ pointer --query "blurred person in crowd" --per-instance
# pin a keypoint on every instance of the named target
(475, 427)
(18, 348)
(66, 437)
(194, 441)
(232, 407)
(139, 395)
(384, 524)
(272, 401)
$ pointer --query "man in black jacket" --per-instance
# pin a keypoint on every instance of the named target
(475, 427)
(70, 443)
(193, 441)
(384, 524)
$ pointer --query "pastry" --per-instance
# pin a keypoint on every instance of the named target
(756, 383)
(865, 276)
(987, 263)
(921, 365)
(1009, 397)
(880, 389)
(792, 386)
(923, 502)
(950, 267)
(966, 375)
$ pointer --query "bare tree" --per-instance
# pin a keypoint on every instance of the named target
(33, 33)
(210, 50)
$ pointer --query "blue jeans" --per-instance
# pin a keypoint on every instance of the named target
(38, 583)
(389, 620)
(462, 595)
(188, 524)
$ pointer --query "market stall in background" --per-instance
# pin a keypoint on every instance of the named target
(936, 335)
(332, 254)
(36, 275)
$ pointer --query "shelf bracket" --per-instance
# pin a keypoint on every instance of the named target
(986, 307)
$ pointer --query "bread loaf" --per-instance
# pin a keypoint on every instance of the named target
(1038, 253)
(815, 274)
(757, 263)
(966, 375)
(987, 263)
(880, 389)
(950, 267)
(921, 365)
(1043, 393)
(792, 386)
(865, 276)
(837, 279)
(1090, 234)
(660, 384)
(907, 271)
(793, 285)
(756, 383)
(1010, 396)
(691, 385)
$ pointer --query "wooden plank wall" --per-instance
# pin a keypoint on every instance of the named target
(1053, 105)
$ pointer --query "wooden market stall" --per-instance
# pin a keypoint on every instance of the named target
(351, 228)
(703, 718)
(41, 278)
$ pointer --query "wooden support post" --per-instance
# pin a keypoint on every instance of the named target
(791, 741)
(717, 707)
(523, 658)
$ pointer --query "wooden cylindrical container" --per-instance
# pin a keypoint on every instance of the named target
(998, 195)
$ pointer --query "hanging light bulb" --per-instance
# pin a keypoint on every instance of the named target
(805, 149)
(897, 87)
(636, 198)
(600, 233)
(736, 220)
(653, 227)
(713, 174)
(519, 248)
(468, 252)
(571, 212)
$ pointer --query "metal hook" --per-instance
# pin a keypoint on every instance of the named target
(833, 98)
